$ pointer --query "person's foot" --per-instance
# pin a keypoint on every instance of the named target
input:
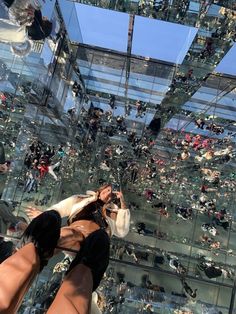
(44, 232)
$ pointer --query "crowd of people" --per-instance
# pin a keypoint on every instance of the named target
(121, 154)
(141, 173)
(38, 162)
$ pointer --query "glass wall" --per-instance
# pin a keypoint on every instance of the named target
(163, 133)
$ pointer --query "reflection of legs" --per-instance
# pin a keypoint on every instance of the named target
(55, 166)
(74, 296)
(51, 168)
(31, 186)
(28, 185)
(2, 154)
(16, 274)
(35, 186)
(6, 214)
(52, 173)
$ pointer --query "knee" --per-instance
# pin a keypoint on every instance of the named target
(4, 302)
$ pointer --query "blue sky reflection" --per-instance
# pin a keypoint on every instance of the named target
(162, 40)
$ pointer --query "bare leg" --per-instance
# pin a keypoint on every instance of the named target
(51, 170)
(16, 275)
(19, 270)
(52, 173)
(74, 295)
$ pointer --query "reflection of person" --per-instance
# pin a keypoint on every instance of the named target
(44, 169)
(188, 290)
(7, 218)
(4, 165)
(92, 219)
(22, 23)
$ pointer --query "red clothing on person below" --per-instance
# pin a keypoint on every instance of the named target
(3, 97)
(188, 138)
(205, 143)
(43, 169)
(196, 144)
(204, 189)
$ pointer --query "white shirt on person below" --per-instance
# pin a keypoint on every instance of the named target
(71, 206)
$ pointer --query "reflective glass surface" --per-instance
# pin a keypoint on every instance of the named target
(227, 65)
(154, 39)
(161, 129)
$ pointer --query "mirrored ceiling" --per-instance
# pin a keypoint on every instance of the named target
(227, 64)
(161, 40)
